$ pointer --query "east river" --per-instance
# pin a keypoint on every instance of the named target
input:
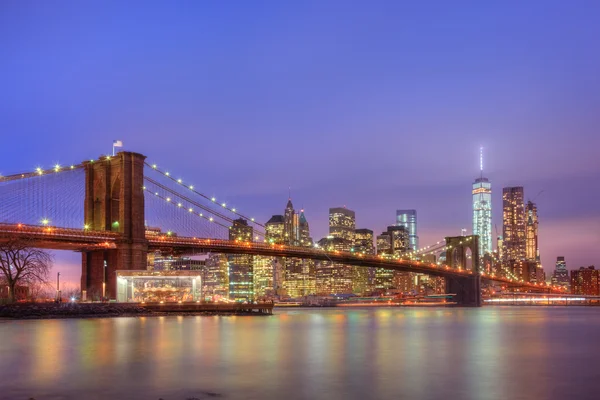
(382, 353)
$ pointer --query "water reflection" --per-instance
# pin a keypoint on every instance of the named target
(391, 353)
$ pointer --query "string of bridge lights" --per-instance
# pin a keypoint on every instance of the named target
(39, 171)
(211, 199)
(193, 202)
(180, 205)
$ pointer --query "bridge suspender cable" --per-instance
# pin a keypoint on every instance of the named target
(191, 201)
(191, 212)
(211, 199)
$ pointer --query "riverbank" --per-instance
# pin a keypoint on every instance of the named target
(111, 310)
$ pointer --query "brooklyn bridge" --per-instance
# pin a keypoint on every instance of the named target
(100, 207)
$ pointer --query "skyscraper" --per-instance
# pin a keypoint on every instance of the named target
(333, 277)
(408, 219)
(275, 230)
(241, 280)
(513, 224)
(532, 252)
(363, 241)
(561, 274)
(298, 275)
(342, 223)
(363, 278)
(482, 210)
(290, 220)
(303, 231)
(585, 281)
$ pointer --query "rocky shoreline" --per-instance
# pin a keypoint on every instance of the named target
(23, 311)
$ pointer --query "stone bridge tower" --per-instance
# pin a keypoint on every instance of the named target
(114, 201)
(467, 289)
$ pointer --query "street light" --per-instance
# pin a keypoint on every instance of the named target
(58, 287)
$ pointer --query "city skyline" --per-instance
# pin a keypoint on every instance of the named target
(330, 129)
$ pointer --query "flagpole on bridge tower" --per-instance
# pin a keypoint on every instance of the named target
(116, 143)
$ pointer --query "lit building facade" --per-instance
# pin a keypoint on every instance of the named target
(263, 277)
(561, 274)
(408, 219)
(296, 277)
(532, 251)
(342, 223)
(333, 278)
(363, 278)
(275, 230)
(585, 281)
(241, 274)
(482, 214)
(216, 277)
(513, 224)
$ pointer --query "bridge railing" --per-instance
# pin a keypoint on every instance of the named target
(36, 230)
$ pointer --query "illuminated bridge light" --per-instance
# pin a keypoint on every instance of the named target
(213, 199)
(168, 199)
(167, 174)
(191, 210)
(154, 166)
(179, 204)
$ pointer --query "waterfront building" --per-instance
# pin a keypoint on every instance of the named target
(216, 277)
(342, 223)
(188, 264)
(157, 261)
(561, 274)
(585, 281)
(241, 279)
(513, 224)
(263, 277)
(363, 280)
(408, 219)
(333, 278)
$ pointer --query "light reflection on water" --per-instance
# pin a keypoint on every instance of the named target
(385, 353)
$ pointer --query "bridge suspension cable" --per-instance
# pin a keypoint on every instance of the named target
(40, 172)
(211, 199)
(44, 197)
(189, 210)
(194, 203)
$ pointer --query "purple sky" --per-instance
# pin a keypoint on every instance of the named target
(375, 105)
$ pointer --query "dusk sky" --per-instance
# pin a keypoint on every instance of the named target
(370, 104)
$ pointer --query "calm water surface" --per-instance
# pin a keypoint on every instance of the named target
(383, 353)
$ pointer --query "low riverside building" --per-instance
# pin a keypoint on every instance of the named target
(159, 286)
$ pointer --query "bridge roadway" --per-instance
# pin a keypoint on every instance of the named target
(85, 240)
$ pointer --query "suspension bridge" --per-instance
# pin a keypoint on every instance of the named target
(116, 209)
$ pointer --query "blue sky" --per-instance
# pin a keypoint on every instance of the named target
(375, 105)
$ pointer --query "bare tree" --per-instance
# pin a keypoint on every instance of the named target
(23, 264)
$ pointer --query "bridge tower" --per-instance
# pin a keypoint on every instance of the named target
(114, 201)
(468, 288)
